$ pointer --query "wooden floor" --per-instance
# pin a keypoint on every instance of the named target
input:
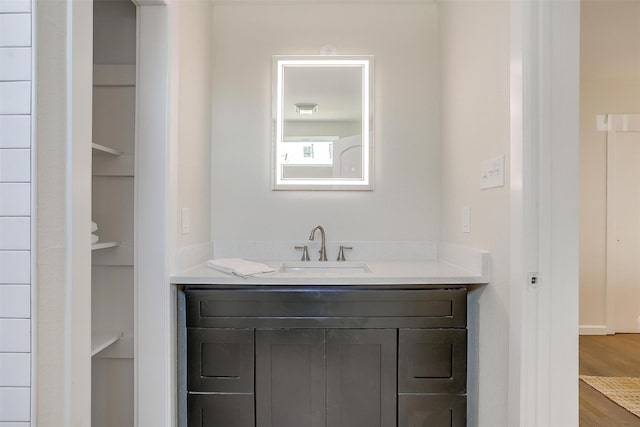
(610, 356)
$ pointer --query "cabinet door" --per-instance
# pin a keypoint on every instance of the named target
(220, 360)
(361, 377)
(290, 378)
(433, 410)
(432, 361)
(220, 410)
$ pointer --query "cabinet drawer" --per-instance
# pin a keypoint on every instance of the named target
(221, 410)
(439, 308)
(220, 360)
(432, 360)
(443, 410)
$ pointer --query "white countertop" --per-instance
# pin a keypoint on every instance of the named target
(428, 272)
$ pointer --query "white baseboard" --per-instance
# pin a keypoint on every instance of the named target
(593, 330)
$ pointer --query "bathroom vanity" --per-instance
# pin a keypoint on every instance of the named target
(385, 347)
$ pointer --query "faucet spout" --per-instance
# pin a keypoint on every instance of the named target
(323, 247)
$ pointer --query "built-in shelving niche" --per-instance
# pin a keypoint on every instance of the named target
(113, 169)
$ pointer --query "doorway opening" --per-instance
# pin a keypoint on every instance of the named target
(609, 223)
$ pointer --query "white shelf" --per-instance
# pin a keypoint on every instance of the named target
(104, 149)
(104, 245)
(102, 342)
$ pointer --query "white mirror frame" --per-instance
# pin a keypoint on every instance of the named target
(366, 65)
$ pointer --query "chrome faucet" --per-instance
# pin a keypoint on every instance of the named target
(323, 248)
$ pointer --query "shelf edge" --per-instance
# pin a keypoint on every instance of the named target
(104, 245)
(106, 343)
(105, 149)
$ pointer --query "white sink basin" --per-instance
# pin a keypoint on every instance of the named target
(331, 267)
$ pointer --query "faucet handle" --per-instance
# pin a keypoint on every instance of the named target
(341, 252)
(305, 252)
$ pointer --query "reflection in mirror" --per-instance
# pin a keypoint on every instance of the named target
(323, 117)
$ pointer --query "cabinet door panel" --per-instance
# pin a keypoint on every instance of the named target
(290, 378)
(361, 378)
(221, 410)
(443, 410)
(432, 360)
(220, 360)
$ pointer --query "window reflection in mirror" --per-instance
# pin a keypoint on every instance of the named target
(323, 118)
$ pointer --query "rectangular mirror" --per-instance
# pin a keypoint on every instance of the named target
(323, 116)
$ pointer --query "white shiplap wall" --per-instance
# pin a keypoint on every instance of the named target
(15, 213)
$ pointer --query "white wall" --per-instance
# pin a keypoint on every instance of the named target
(609, 83)
(15, 213)
(194, 121)
(403, 38)
(474, 62)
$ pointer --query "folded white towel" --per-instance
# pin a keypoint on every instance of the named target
(240, 267)
(94, 227)
(94, 239)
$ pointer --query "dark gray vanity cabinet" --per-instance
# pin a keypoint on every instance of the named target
(323, 357)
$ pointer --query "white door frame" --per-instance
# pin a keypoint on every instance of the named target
(62, 40)
(543, 342)
(155, 216)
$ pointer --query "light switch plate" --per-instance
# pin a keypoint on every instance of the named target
(492, 173)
